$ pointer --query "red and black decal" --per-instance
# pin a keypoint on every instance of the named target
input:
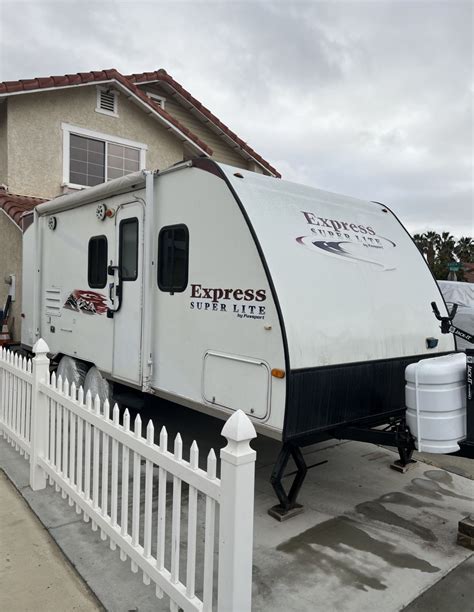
(88, 302)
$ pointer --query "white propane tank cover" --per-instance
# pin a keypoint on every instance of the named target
(438, 388)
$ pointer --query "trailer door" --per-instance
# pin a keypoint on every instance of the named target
(126, 364)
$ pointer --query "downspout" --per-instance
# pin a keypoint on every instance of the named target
(148, 284)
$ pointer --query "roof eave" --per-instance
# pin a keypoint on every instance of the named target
(167, 81)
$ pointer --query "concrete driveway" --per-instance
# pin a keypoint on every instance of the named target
(369, 538)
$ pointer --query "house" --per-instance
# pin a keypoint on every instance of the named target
(69, 132)
(468, 269)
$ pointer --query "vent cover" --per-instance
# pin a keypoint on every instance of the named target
(53, 301)
(107, 101)
(157, 99)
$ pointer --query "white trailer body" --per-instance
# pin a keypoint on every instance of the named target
(235, 290)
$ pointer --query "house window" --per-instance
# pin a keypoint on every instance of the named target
(107, 101)
(121, 160)
(91, 158)
(173, 258)
(128, 249)
(97, 262)
(87, 161)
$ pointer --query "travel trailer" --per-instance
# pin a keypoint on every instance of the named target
(222, 289)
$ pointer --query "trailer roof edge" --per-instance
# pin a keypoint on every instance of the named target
(91, 194)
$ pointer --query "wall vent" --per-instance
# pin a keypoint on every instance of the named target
(53, 302)
(107, 101)
(160, 100)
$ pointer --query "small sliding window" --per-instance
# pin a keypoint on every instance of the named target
(97, 262)
(173, 258)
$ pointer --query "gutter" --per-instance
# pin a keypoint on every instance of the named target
(11, 219)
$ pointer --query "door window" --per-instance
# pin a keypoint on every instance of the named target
(97, 262)
(128, 249)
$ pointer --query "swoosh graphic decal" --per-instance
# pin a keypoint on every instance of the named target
(337, 248)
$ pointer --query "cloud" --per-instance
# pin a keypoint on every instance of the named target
(372, 99)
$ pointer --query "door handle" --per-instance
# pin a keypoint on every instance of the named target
(114, 289)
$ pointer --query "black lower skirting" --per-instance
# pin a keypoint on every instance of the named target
(322, 398)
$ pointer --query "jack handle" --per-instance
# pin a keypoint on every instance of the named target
(450, 316)
(447, 326)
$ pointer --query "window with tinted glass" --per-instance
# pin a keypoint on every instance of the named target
(173, 256)
(128, 249)
(97, 262)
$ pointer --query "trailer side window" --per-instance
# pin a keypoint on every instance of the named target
(173, 256)
(128, 249)
(97, 262)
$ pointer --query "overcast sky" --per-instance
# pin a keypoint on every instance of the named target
(371, 99)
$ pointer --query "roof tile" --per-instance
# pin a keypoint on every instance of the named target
(12, 86)
(16, 205)
(73, 79)
(29, 84)
(86, 77)
(45, 82)
(60, 81)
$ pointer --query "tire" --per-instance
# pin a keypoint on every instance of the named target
(72, 370)
(97, 385)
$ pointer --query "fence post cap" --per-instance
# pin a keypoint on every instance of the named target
(239, 428)
(40, 347)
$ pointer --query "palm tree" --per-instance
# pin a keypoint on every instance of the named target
(421, 243)
(446, 247)
(464, 249)
(445, 256)
(433, 240)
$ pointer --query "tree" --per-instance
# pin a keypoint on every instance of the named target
(442, 249)
(421, 242)
(464, 249)
(432, 244)
(444, 255)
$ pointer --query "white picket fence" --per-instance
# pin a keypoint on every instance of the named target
(88, 455)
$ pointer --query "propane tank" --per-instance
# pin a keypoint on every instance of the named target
(435, 396)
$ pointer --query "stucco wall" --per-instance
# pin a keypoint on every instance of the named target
(10, 263)
(35, 147)
(3, 141)
(222, 152)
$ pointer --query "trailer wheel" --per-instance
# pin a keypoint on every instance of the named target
(72, 370)
(97, 385)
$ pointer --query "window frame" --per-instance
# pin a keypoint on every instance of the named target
(159, 267)
(91, 285)
(123, 222)
(69, 129)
